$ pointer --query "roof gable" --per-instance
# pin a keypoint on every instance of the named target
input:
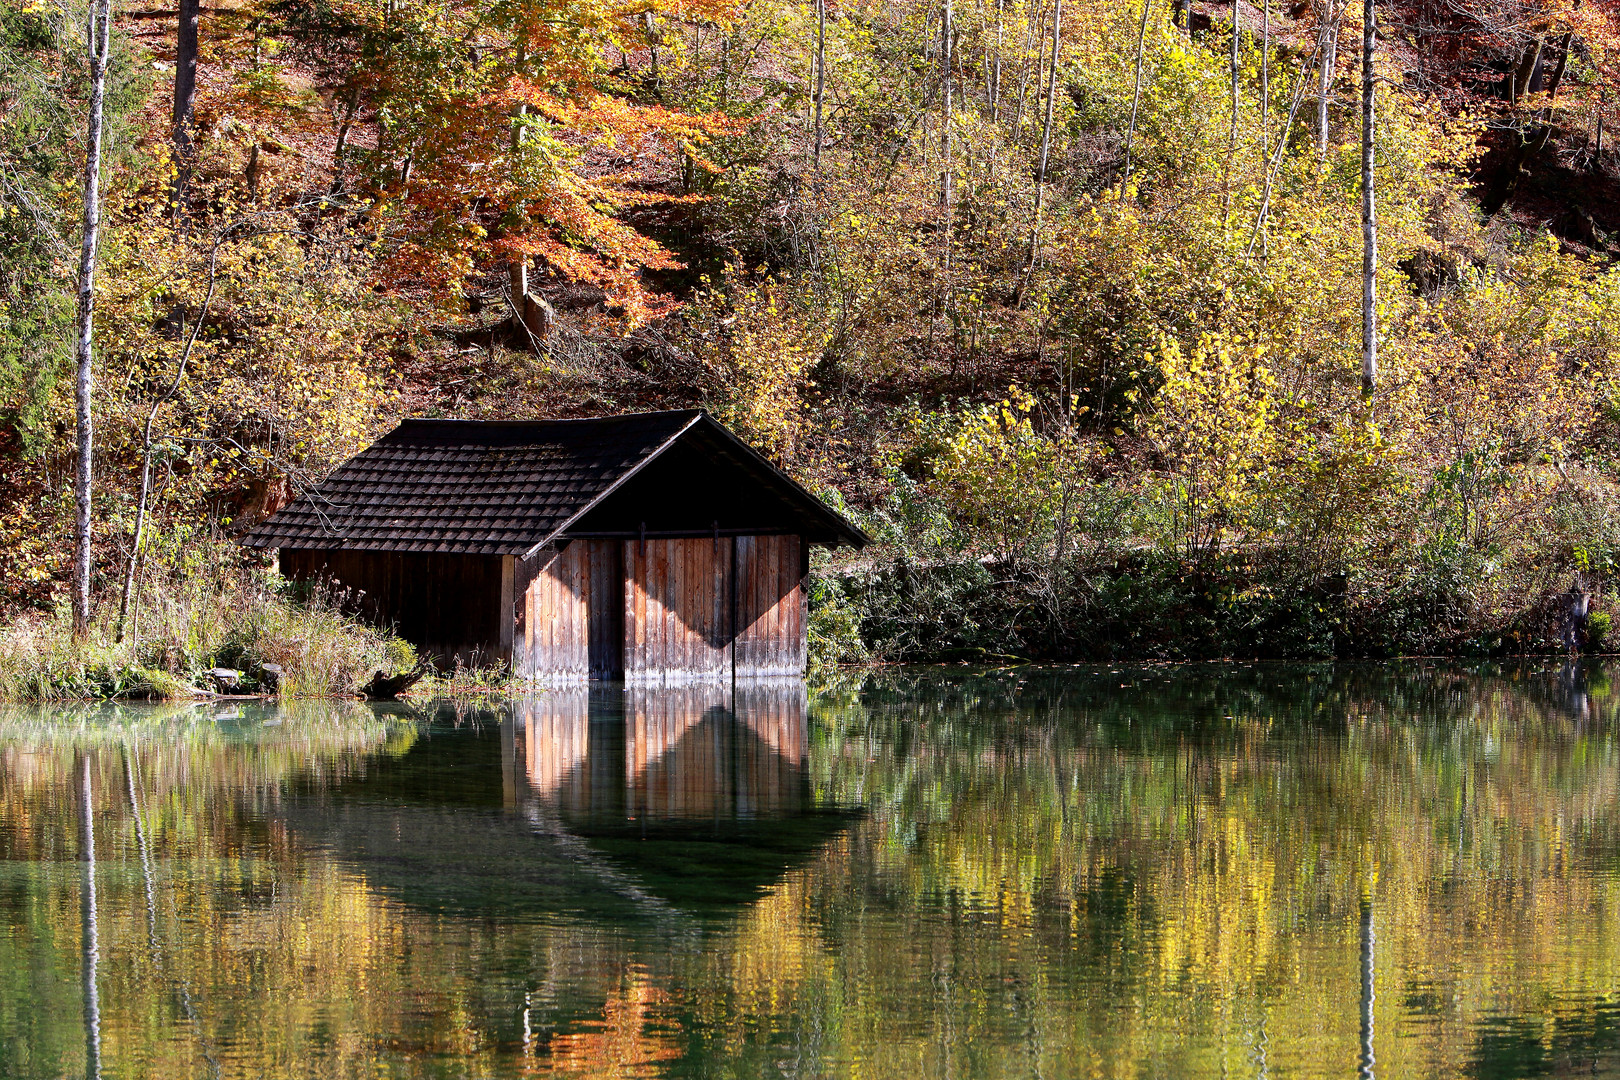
(506, 488)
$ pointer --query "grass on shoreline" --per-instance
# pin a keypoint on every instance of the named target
(184, 626)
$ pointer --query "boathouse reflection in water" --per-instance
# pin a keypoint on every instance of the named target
(595, 801)
(604, 756)
(700, 794)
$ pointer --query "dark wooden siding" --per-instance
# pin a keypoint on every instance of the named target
(677, 614)
(771, 626)
(448, 606)
(607, 608)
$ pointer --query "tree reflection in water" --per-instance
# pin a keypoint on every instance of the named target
(1139, 871)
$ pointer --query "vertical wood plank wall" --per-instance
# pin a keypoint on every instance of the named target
(663, 611)
(677, 613)
(771, 634)
(556, 619)
(571, 615)
(655, 611)
(448, 606)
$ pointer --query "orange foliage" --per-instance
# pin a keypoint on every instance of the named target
(626, 1043)
(501, 130)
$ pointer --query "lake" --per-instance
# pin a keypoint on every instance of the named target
(1404, 870)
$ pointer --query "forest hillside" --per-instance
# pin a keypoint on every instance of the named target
(1060, 299)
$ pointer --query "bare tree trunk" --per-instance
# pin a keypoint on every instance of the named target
(650, 25)
(1597, 142)
(1030, 38)
(945, 106)
(1265, 81)
(1328, 51)
(185, 75)
(100, 41)
(1231, 148)
(250, 174)
(820, 78)
(349, 110)
(946, 58)
(517, 267)
(146, 440)
(1136, 97)
(531, 315)
(1369, 207)
(1552, 91)
(995, 67)
(1046, 143)
(1528, 73)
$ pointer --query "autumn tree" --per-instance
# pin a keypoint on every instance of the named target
(503, 134)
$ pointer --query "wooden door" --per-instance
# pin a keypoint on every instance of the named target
(571, 622)
(770, 634)
(677, 609)
(555, 643)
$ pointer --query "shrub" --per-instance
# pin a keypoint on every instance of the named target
(185, 624)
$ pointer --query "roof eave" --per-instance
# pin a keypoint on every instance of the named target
(841, 527)
(615, 486)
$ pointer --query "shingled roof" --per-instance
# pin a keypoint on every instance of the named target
(509, 487)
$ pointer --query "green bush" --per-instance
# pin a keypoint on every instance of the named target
(834, 628)
(1598, 625)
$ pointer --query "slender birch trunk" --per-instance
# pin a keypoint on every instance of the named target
(1265, 80)
(1328, 50)
(1234, 66)
(517, 266)
(821, 78)
(1233, 63)
(99, 40)
(1369, 207)
(945, 107)
(1046, 141)
(1136, 97)
(995, 66)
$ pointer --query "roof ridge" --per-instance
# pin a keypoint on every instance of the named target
(451, 420)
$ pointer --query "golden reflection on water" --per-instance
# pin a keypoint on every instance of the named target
(1194, 873)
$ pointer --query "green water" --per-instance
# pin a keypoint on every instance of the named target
(1398, 871)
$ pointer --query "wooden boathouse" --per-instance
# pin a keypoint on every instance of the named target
(652, 547)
